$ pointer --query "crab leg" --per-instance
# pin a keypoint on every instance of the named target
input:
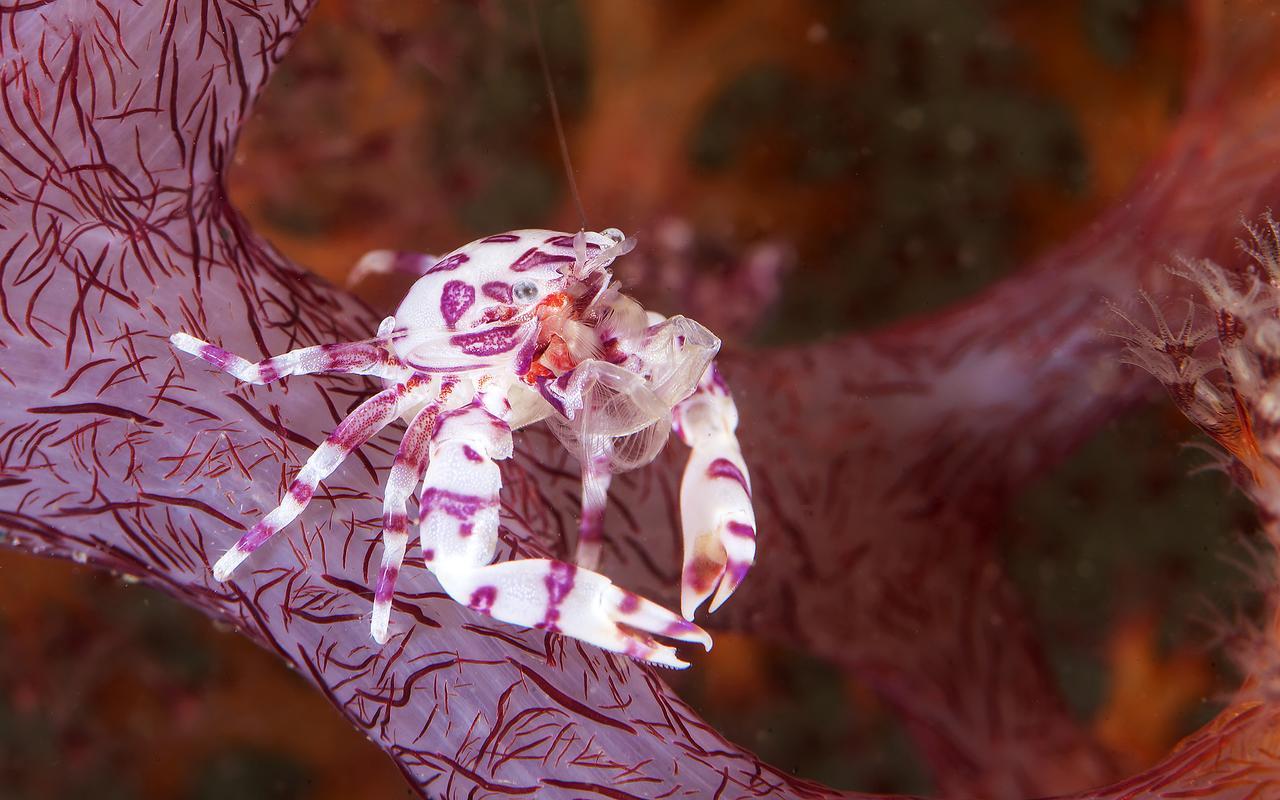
(715, 497)
(406, 471)
(370, 357)
(459, 536)
(391, 262)
(600, 405)
(596, 478)
(357, 428)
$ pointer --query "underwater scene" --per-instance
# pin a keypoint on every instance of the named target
(639, 399)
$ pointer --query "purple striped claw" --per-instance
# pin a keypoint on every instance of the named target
(715, 498)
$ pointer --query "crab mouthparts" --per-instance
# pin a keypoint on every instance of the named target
(564, 340)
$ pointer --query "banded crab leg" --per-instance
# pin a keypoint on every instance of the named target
(611, 421)
(358, 427)
(391, 262)
(370, 357)
(715, 497)
(406, 472)
(596, 478)
(459, 527)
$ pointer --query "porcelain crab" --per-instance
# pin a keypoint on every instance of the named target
(504, 332)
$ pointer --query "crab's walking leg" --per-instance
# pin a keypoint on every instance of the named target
(406, 471)
(460, 533)
(715, 497)
(596, 478)
(390, 262)
(359, 426)
(372, 357)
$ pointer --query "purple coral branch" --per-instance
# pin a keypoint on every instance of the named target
(882, 460)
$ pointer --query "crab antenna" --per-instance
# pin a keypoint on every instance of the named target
(555, 115)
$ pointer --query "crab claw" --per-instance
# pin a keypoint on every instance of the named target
(719, 531)
(561, 597)
(715, 497)
(635, 618)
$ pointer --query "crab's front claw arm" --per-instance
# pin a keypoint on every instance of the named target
(459, 528)
(715, 497)
(557, 596)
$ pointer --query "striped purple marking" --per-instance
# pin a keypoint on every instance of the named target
(457, 505)
(533, 257)
(471, 454)
(350, 355)
(301, 491)
(267, 371)
(255, 537)
(215, 356)
(559, 582)
(591, 528)
(524, 358)
(488, 342)
(482, 599)
(566, 240)
(448, 370)
(544, 389)
(701, 573)
(630, 603)
(679, 628)
(451, 263)
(386, 585)
(455, 299)
(500, 238)
(741, 529)
(497, 290)
(724, 468)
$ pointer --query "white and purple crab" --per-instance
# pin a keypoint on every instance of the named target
(504, 332)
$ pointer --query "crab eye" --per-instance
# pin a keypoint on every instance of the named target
(524, 291)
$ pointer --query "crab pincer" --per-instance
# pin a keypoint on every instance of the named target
(715, 497)
(561, 597)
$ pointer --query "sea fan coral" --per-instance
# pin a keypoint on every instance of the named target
(883, 460)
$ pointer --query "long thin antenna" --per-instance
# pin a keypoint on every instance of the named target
(555, 115)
